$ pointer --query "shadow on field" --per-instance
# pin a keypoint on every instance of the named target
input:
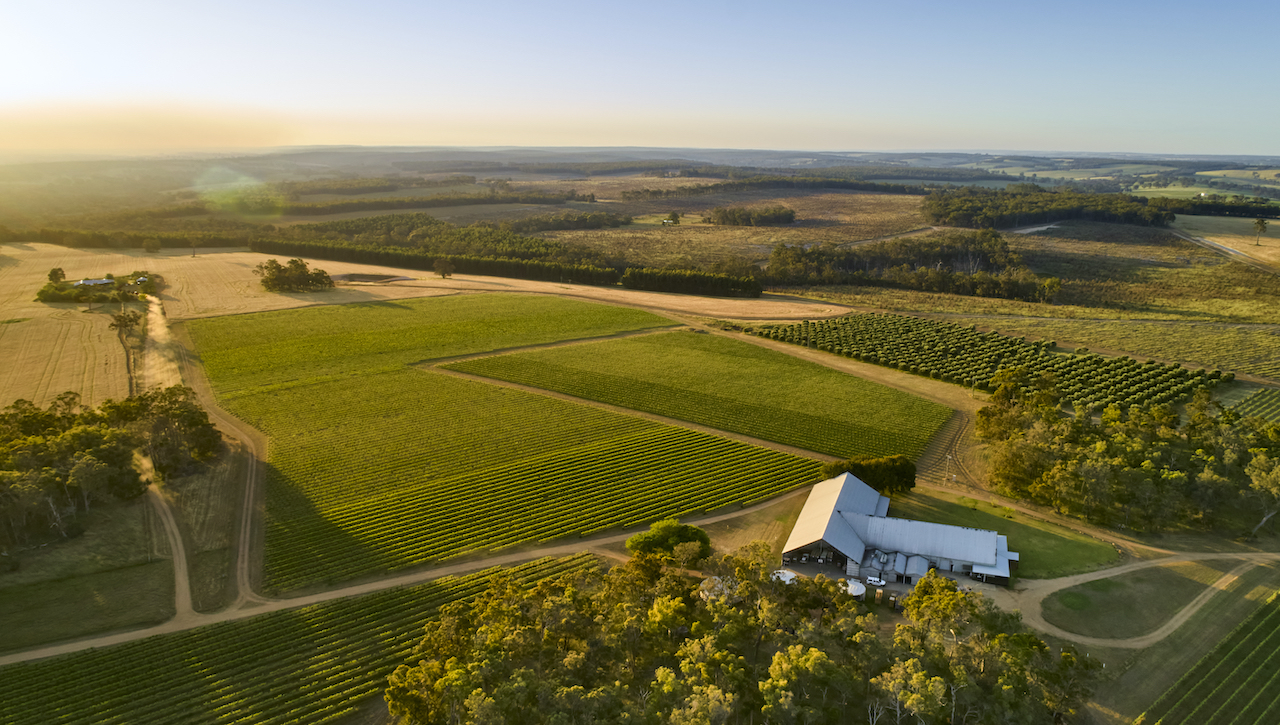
(304, 550)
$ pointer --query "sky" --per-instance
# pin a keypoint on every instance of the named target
(144, 76)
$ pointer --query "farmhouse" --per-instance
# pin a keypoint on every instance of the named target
(94, 283)
(844, 523)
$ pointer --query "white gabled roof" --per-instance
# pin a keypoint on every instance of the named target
(820, 519)
(849, 516)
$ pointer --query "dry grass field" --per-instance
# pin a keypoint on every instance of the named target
(1237, 234)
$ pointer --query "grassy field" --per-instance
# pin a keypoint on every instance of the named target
(206, 506)
(1149, 272)
(1238, 682)
(1237, 234)
(309, 346)
(731, 385)
(377, 466)
(314, 665)
(1134, 604)
(1047, 550)
(117, 575)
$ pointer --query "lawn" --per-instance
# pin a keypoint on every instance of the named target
(731, 385)
(306, 346)
(1134, 604)
(376, 466)
(1047, 550)
(309, 665)
(117, 575)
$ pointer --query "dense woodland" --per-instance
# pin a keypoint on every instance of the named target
(772, 182)
(55, 462)
(688, 281)
(644, 643)
(750, 217)
(1024, 204)
(976, 264)
(1142, 467)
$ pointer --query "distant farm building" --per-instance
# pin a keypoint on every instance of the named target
(844, 523)
(94, 282)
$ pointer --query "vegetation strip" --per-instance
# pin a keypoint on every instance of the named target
(314, 664)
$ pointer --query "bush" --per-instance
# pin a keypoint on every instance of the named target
(664, 536)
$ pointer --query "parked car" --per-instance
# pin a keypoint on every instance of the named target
(875, 581)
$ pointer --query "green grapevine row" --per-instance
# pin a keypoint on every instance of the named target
(1237, 682)
(1264, 404)
(314, 664)
(962, 355)
(617, 481)
(836, 435)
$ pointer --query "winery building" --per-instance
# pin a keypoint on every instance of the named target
(844, 522)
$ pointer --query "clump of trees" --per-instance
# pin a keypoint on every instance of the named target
(294, 276)
(56, 461)
(644, 643)
(750, 217)
(683, 543)
(978, 264)
(118, 289)
(1143, 467)
(888, 475)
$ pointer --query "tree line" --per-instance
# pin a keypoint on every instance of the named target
(557, 222)
(750, 217)
(1218, 205)
(978, 264)
(1144, 467)
(645, 643)
(690, 282)
(535, 269)
(888, 475)
(367, 185)
(772, 182)
(56, 461)
(1023, 204)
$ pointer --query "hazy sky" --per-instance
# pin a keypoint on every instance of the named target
(1159, 77)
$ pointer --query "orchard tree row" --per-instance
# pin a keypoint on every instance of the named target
(962, 355)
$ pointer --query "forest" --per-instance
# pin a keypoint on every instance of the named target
(737, 216)
(1144, 467)
(646, 643)
(56, 461)
(978, 264)
(1024, 204)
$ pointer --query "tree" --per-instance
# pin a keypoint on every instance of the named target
(151, 246)
(194, 242)
(125, 321)
(444, 268)
(1259, 226)
(672, 218)
(664, 536)
(292, 277)
(56, 275)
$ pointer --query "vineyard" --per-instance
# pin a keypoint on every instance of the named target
(962, 355)
(402, 483)
(343, 340)
(1237, 683)
(314, 665)
(733, 386)
(1264, 404)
